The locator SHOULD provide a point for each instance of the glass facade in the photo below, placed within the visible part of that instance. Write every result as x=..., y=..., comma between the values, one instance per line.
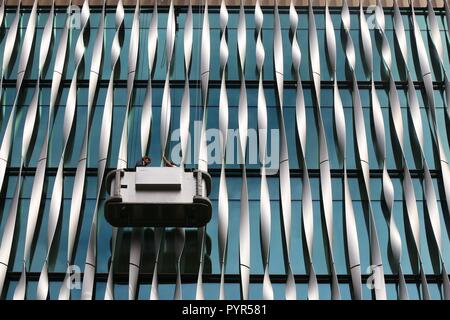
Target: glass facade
x=399, y=229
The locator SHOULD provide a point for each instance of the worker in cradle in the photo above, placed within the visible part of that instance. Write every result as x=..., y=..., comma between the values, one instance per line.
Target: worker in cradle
x=143, y=162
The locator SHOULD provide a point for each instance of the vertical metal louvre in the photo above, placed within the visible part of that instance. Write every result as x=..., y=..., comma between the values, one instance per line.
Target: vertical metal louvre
x=306, y=230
